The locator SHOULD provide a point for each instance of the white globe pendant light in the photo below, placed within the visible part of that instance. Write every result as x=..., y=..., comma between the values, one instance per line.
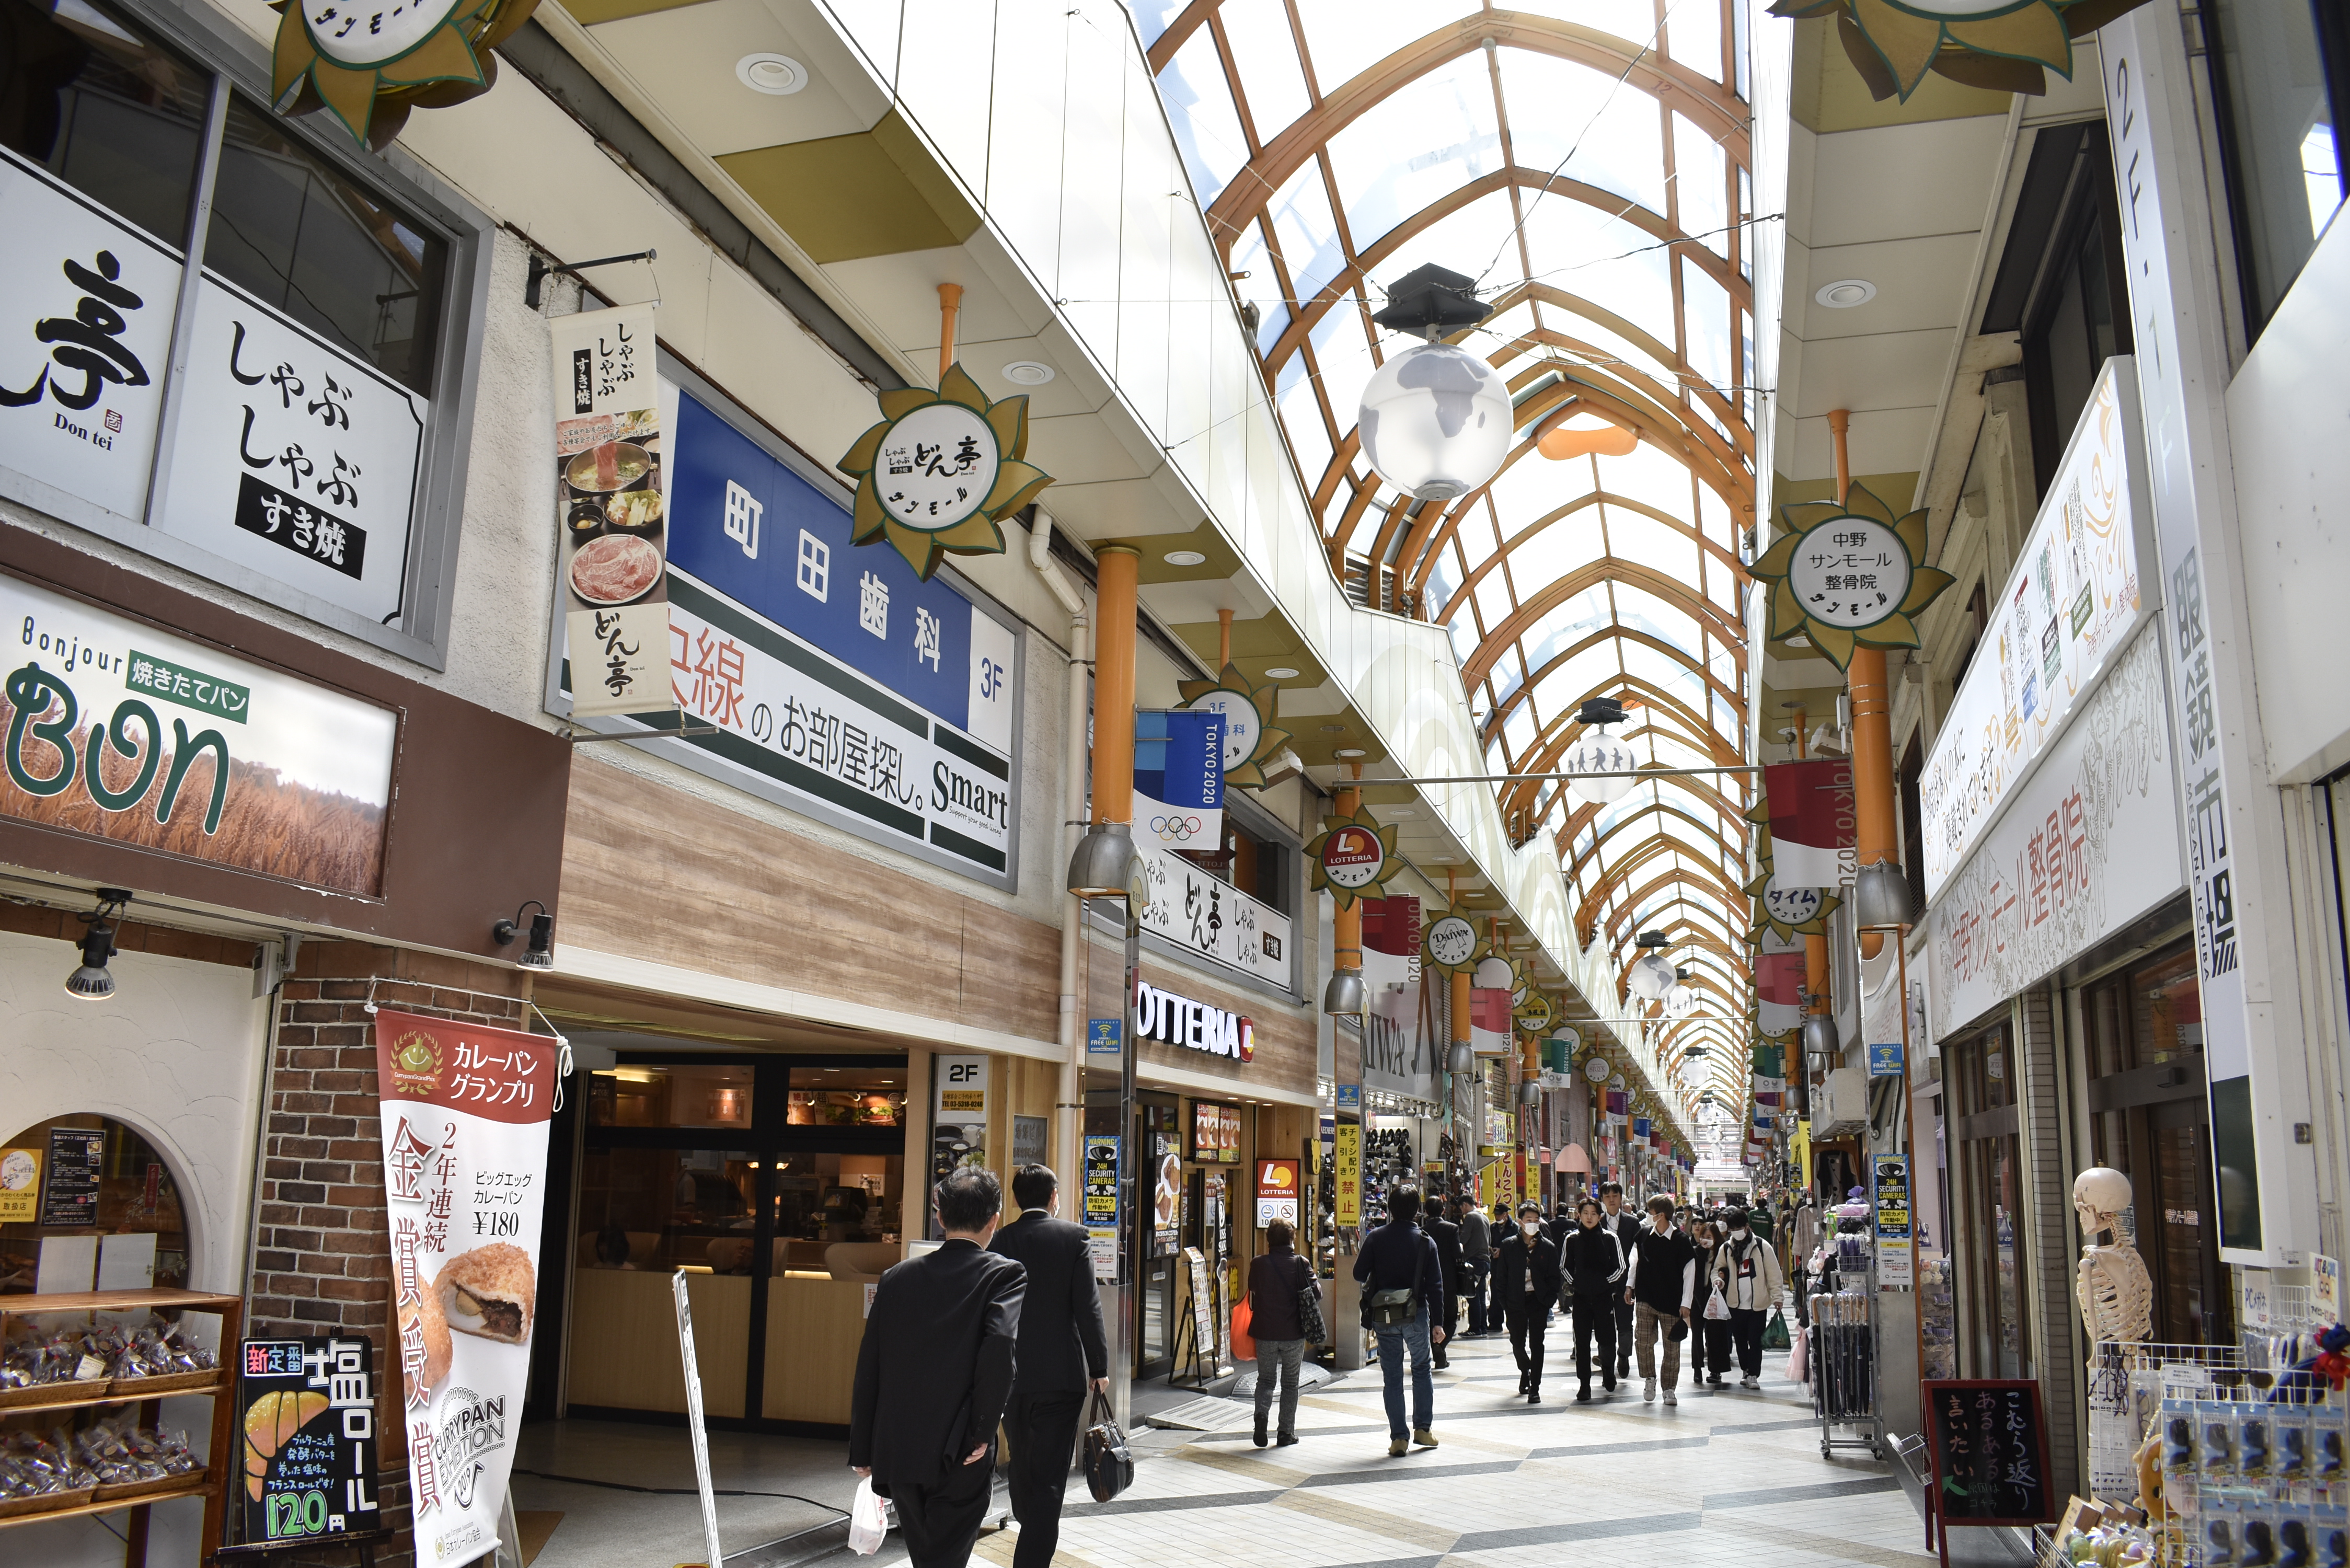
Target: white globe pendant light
x=1599, y=753
x=1680, y=999
x=1435, y=420
x=1651, y=976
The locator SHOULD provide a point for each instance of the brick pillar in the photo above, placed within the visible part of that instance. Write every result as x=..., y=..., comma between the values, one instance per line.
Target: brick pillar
x=322, y=1264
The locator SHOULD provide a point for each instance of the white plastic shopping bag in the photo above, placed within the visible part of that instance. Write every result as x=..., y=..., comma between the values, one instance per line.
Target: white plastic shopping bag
x=1716, y=1309
x=868, y=1524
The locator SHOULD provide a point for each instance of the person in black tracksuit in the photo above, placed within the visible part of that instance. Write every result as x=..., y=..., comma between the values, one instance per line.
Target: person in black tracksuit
x=1593, y=1267
x=1626, y=1225
x=1526, y=1273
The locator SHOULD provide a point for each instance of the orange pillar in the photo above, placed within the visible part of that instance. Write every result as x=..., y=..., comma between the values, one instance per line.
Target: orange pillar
x=1117, y=569
x=1876, y=836
x=1347, y=923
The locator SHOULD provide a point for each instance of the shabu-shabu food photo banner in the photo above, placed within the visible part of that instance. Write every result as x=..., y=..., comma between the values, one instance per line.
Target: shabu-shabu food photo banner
x=611, y=509
x=464, y=1110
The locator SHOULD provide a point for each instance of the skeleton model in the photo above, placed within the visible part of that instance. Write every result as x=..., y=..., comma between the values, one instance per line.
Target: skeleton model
x=2115, y=1296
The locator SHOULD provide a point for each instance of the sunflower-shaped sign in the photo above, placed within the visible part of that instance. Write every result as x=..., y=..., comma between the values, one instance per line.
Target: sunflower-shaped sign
x=1450, y=943
x=1849, y=575
x=2001, y=46
x=1789, y=912
x=1534, y=1012
x=369, y=62
x=1353, y=857
x=941, y=471
x=1250, y=735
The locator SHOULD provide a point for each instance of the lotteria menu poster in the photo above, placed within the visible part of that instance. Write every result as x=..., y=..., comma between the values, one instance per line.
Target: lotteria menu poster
x=465, y=1109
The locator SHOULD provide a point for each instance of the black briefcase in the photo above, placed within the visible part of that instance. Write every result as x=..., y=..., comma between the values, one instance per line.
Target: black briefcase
x=1109, y=1464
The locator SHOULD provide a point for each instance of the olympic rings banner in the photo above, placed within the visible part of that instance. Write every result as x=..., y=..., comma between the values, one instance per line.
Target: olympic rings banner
x=1179, y=779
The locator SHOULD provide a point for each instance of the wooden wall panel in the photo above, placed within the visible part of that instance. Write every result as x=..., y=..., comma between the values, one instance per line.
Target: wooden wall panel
x=664, y=875
x=814, y=1327
x=624, y=1340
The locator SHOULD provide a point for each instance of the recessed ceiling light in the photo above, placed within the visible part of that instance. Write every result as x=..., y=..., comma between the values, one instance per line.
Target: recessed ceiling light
x=777, y=75
x=1402, y=811
x=1028, y=372
x=1184, y=558
x=1280, y=672
x=1348, y=752
x=1845, y=292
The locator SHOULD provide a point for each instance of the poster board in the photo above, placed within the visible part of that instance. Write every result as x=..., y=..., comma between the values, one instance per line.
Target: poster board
x=1988, y=1443
x=1203, y=1315
x=306, y=1408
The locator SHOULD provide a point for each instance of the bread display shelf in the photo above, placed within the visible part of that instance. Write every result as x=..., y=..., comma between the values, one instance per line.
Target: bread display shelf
x=219, y=1384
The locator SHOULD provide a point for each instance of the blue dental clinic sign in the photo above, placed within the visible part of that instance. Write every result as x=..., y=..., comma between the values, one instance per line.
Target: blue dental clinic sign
x=839, y=684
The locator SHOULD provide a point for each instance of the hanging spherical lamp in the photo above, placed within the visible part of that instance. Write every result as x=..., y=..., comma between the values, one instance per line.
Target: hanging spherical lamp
x=1651, y=977
x=1436, y=419
x=1599, y=753
x=1679, y=999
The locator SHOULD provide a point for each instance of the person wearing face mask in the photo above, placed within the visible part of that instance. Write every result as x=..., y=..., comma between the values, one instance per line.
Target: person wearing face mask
x=1746, y=1272
x=1525, y=1274
x=1661, y=1285
x=1709, y=1337
x=1626, y=1225
x=1593, y=1265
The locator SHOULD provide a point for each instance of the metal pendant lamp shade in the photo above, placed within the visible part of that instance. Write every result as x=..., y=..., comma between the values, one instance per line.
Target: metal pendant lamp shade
x=1530, y=1091
x=1881, y=895
x=1344, y=993
x=1820, y=1037
x=1099, y=867
x=1460, y=1058
x=93, y=982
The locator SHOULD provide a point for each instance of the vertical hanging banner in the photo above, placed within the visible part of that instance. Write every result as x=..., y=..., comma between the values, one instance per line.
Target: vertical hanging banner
x=1179, y=779
x=611, y=511
x=1812, y=823
x=1396, y=1056
x=464, y=1110
x=1347, y=1166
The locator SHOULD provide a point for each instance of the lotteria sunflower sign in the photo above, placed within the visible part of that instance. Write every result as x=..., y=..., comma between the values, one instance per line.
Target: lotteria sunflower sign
x=369, y=62
x=1352, y=858
x=941, y=471
x=1849, y=575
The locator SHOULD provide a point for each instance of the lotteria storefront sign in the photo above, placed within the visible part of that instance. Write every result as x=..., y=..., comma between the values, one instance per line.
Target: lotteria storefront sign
x=1173, y=1020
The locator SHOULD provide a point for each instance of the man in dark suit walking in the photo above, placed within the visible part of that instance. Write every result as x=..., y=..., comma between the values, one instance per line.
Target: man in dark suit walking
x=934, y=1372
x=1446, y=1234
x=1063, y=1352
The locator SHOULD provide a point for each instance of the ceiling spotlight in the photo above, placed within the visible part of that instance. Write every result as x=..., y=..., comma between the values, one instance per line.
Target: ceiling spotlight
x=1280, y=672
x=1349, y=752
x=777, y=75
x=1027, y=373
x=1184, y=558
x=1845, y=292
x=540, y=952
x=1402, y=811
x=93, y=982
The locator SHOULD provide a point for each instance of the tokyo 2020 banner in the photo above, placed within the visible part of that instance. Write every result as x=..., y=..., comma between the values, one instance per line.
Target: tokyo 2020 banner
x=465, y=1109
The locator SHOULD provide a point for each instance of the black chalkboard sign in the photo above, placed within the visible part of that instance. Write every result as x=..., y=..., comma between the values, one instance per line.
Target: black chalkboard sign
x=1990, y=1450
x=309, y=1440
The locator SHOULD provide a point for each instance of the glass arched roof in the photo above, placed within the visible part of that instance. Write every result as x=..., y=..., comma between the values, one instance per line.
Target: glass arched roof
x=1585, y=161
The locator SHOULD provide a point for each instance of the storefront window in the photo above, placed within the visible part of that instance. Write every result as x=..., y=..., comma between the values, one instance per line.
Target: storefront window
x=2279, y=79
x=103, y=110
x=1992, y=1251
x=688, y=1096
x=849, y=1097
x=102, y=1211
x=2149, y=1119
x=296, y=234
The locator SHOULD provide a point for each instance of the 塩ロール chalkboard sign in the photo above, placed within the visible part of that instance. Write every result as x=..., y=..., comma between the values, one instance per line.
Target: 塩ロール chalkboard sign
x=1989, y=1454
x=309, y=1438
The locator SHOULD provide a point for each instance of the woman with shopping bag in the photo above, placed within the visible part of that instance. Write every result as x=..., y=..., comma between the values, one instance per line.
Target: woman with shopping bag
x=1280, y=1285
x=1709, y=1328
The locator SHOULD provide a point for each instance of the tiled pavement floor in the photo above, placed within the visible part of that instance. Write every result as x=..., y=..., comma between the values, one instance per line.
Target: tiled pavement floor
x=1728, y=1479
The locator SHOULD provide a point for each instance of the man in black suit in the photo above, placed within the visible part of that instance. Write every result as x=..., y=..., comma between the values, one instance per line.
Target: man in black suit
x=1446, y=1234
x=1063, y=1352
x=934, y=1372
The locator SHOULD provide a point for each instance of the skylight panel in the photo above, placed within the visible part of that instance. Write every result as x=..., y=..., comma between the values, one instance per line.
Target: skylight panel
x=1417, y=145
x=1199, y=107
x=1267, y=55
x=1568, y=119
